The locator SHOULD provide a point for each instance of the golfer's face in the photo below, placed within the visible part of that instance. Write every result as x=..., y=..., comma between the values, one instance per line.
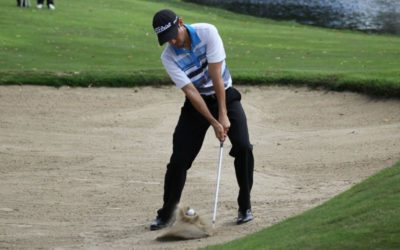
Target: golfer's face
x=179, y=40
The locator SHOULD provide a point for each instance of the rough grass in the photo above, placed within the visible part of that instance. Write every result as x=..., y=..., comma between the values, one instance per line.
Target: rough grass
x=365, y=217
x=100, y=43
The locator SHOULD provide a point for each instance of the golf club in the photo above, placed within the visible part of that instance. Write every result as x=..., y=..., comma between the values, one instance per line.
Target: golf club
x=221, y=149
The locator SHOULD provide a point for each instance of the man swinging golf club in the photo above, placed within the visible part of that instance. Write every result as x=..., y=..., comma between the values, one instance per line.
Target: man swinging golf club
x=195, y=61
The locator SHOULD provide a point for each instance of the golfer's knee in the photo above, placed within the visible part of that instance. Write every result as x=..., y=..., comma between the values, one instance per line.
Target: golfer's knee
x=179, y=163
x=241, y=149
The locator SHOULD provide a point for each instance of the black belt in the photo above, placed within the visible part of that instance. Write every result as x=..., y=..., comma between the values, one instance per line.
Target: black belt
x=209, y=97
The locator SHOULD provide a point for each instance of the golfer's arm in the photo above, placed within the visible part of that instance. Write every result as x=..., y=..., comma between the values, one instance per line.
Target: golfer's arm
x=198, y=103
x=214, y=69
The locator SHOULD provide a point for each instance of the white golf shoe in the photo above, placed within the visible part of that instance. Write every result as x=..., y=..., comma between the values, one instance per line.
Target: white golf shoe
x=52, y=7
x=244, y=216
x=39, y=6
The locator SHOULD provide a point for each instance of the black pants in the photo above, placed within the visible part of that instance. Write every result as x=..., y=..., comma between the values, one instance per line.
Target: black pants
x=48, y=2
x=187, y=140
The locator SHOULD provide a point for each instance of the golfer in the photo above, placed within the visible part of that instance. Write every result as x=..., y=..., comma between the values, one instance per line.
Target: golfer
x=195, y=61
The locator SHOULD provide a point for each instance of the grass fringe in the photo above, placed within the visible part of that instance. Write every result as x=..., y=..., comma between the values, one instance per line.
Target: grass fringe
x=372, y=87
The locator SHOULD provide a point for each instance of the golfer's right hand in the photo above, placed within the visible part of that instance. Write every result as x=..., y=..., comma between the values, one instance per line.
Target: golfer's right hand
x=219, y=131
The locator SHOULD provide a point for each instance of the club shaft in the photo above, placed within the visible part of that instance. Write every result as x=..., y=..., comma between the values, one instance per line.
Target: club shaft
x=221, y=150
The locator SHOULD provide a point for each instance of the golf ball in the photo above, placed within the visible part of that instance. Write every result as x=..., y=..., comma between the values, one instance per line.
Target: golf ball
x=190, y=212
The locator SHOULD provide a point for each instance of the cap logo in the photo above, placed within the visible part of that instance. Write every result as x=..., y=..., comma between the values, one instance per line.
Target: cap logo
x=163, y=28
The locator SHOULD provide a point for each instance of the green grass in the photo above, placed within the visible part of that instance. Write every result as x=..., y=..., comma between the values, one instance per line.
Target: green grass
x=103, y=43
x=365, y=217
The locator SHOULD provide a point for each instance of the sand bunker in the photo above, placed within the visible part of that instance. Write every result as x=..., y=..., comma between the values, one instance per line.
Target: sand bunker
x=84, y=168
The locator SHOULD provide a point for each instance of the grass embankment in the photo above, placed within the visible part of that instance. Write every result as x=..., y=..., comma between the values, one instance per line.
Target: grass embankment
x=104, y=43
x=365, y=217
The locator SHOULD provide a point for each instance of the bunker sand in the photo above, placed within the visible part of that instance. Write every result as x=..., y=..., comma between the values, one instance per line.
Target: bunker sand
x=84, y=168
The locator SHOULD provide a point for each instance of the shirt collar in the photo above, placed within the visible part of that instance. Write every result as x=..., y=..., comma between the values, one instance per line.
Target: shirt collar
x=194, y=38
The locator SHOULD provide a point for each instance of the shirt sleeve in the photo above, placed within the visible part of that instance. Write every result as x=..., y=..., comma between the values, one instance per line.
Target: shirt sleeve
x=215, y=46
x=175, y=73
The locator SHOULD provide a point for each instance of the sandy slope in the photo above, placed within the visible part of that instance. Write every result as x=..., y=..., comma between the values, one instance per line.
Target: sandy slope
x=83, y=168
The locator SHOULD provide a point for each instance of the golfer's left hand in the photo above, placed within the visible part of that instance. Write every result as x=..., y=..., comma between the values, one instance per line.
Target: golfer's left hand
x=226, y=124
